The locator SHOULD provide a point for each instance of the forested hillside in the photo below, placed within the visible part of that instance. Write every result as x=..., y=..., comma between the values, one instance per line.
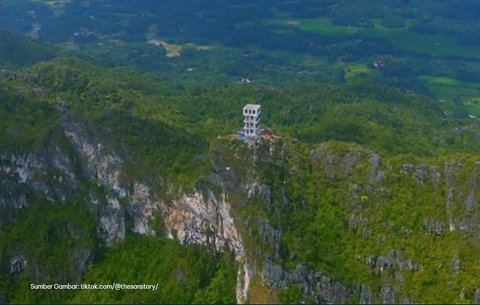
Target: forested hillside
x=120, y=160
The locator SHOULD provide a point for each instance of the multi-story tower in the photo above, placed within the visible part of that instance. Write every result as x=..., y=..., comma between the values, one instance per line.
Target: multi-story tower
x=251, y=119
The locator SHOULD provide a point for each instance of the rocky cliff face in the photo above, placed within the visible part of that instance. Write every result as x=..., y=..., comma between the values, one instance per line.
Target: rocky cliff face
x=205, y=215
x=454, y=182
x=198, y=217
x=367, y=184
x=49, y=172
x=201, y=218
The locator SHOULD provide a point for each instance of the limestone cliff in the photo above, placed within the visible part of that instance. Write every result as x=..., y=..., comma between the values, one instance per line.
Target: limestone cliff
x=198, y=216
x=244, y=204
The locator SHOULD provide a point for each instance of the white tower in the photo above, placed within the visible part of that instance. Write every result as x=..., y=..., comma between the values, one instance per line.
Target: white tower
x=251, y=119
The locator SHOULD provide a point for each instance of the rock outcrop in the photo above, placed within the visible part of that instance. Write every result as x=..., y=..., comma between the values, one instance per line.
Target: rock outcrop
x=199, y=217
x=204, y=215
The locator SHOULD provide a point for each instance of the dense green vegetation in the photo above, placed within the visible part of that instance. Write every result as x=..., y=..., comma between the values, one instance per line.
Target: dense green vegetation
x=269, y=41
x=18, y=50
x=341, y=221
x=184, y=274
x=155, y=124
x=55, y=244
x=336, y=80
x=66, y=232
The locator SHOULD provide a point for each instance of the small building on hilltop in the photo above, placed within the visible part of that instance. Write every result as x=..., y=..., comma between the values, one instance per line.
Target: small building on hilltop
x=251, y=120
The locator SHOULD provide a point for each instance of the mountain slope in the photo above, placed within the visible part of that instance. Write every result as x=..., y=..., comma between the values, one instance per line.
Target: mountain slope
x=364, y=194
x=18, y=50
